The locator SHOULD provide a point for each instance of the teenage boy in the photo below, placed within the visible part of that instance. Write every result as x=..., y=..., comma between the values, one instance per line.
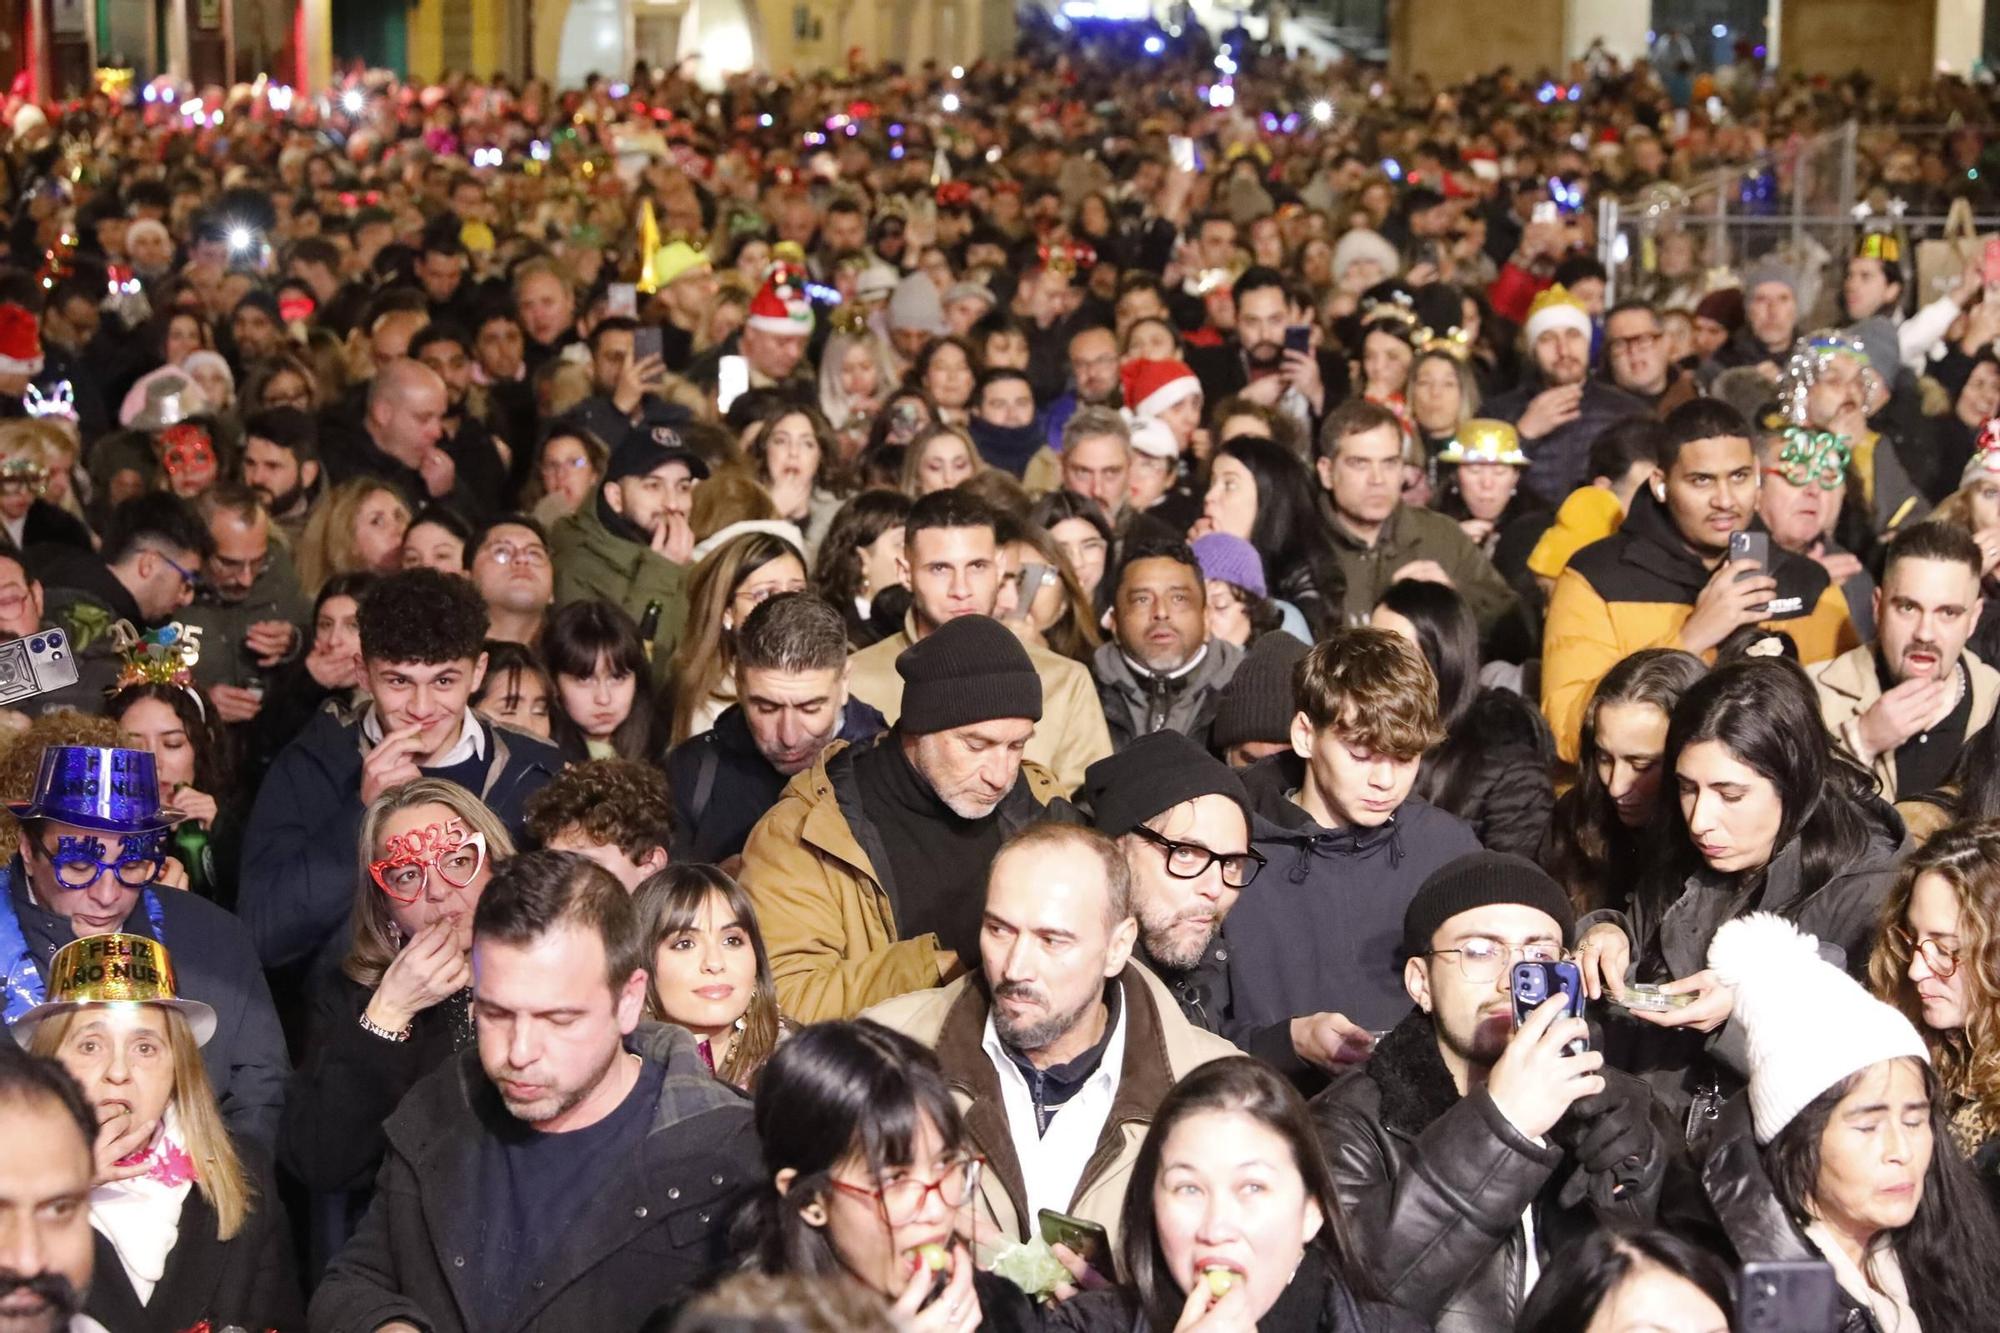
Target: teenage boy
x=614, y=811
x=421, y=663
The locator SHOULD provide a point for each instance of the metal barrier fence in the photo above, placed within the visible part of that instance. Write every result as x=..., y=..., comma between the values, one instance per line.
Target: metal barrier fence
x=1797, y=203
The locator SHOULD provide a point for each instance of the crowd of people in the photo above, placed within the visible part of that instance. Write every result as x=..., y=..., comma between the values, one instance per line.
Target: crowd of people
x=993, y=697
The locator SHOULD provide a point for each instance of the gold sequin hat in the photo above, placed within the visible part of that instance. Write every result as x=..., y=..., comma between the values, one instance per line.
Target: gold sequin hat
x=1484, y=440
x=114, y=969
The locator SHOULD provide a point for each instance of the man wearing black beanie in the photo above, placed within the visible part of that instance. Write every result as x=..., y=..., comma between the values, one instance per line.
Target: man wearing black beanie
x=1465, y=1151
x=869, y=872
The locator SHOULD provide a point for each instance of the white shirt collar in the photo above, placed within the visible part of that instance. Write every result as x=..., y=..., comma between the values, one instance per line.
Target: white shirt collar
x=471, y=742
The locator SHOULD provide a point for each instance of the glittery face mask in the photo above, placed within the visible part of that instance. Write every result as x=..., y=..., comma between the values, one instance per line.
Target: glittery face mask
x=404, y=873
x=1813, y=457
x=79, y=859
x=189, y=455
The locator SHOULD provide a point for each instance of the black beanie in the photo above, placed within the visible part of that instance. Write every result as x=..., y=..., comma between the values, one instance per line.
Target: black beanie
x=969, y=669
x=1155, y=773
x=1258, y=704
x=1482, y=879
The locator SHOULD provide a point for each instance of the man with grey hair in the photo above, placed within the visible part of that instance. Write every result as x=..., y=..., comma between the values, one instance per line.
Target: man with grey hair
x=1097, y=458
x=792, y=702
x=1059, y=1026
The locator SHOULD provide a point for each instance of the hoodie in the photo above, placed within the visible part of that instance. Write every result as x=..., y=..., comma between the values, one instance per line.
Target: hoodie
x=1320, y=929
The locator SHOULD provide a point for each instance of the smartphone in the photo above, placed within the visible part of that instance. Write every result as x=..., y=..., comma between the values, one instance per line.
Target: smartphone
x=1546, y=211
x=1989, y=267
x=1751, y=546
x=1653, y=1000
x=1536, y=983
x=646, y=342
x=622, y=300
x=1787, y=1296
x=35, y=665
x=1184, y=154
x=1086, y=1240
x=732, y=380
x=1298, y=338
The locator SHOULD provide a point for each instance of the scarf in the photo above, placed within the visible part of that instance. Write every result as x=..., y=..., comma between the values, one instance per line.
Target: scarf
x=1880, y=1290
x=141, y=1217
x=1008, y=447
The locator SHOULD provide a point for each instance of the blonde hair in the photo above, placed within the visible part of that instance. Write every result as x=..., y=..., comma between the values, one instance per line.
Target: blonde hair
x=48, y=444
x=373, y=942
x=326, y=547
x=911, y=482
x=730, y=495
x=218, y=1170
x=707, y=653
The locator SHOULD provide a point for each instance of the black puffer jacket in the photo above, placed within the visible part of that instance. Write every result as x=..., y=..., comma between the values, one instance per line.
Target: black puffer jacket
x=1493, y=773
x=1434, y=1185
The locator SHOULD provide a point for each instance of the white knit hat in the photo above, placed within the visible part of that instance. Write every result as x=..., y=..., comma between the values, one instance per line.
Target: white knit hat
x=1154, y=438
x=1806, y=1023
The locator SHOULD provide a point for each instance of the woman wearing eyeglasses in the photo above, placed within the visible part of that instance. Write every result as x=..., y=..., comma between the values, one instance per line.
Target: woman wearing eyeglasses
x=872, y=1175
x=399, y=1004
x=1938, y=961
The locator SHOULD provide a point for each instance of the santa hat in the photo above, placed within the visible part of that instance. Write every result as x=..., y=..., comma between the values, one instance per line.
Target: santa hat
x=1154, y=438
x=780, y=305
x=1806, y=1024
x=1555, y=308
x=20, y=341
x=1151, y=387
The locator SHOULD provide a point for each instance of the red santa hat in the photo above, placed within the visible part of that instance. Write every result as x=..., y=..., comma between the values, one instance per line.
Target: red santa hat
x=781, y=306
x=20, y=341
x=1151, y=387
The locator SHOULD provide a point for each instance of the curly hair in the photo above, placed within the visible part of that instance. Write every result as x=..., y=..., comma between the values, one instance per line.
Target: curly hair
x=620, y=803
x=1967, y=857
x=1374, y=687
x=421, y=615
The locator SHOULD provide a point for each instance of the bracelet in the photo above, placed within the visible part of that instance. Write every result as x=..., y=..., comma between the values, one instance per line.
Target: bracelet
x=374, y=1029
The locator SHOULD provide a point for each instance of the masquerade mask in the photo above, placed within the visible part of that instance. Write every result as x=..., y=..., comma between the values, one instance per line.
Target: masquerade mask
x=23, y=473
x=188, y=452
x=1813, y=457
x=404, y=874
x=79, y=859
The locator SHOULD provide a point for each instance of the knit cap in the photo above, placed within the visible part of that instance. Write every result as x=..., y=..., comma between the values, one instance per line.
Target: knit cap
x=1362, y=243
x=1482, y=879
x=916, y=306
x=1725, y=307
x=1155, y=773
x=1769, y=271
x=1806, y=1024
x=969, y=669
x=1225, y=556
x=1258, y=704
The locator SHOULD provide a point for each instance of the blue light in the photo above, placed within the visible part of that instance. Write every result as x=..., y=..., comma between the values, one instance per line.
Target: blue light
x=1719, y=31
x=1575, y=91
x=1290, y=124
x=896, y=152
x=895, y=131
x=1392, y=168
x=1546, y=94
x=1154, y=45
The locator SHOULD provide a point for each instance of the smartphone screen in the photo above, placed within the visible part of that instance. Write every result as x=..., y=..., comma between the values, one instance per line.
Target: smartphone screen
x=645, y=342
x=1990, y=267
x=622, y=300
x=1298, y=338
x=732, y=381
x=1185, y=158
x=1546, y=211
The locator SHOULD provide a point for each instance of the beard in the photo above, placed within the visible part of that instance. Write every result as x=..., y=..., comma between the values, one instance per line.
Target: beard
x=59, y=1302
x=1177, y=942
x=1041, y=1033
x=557, y=1101
x=281, y=504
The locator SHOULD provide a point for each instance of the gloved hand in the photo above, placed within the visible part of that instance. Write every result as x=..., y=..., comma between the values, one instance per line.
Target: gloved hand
x=1611, y=1141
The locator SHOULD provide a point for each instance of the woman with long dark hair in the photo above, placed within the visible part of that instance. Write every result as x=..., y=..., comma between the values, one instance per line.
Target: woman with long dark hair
x=873, y=1180
x=191, y=757
x=707, y=968
x=1769, y=817
x=1627, y=1281
x=1938, y=961
x=603, y=690
x=1493, y=769
x=1268, y=496
x=1594, y=839
x=1842, y=1150
x=859, y=558
x=1231, y=1221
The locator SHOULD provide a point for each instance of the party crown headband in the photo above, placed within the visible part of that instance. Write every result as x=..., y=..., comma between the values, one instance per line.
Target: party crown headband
x=59, y=402
x=163, y=656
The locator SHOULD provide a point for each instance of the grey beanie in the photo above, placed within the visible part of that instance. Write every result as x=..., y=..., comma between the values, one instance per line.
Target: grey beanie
x=917, y=306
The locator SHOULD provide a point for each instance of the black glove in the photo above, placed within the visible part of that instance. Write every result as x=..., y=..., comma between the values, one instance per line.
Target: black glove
x=1611, y=1140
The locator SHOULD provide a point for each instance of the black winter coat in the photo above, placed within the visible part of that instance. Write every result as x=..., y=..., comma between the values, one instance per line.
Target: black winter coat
x=1316, y=1301
x=1494, y=773
x=659, y=1229
x=248, y=1280
x=1434, y=1185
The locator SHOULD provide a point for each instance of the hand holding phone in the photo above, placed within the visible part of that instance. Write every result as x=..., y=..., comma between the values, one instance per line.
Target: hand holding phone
x=1989, y=268
x=1298, y=338
x=732, y=381
x=1085, y=1239
x=1787, y=1296
x=1535, y=1079
x=1534, y=983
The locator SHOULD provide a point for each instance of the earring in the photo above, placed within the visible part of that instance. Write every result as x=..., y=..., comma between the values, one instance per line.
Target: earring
x=814, y=1215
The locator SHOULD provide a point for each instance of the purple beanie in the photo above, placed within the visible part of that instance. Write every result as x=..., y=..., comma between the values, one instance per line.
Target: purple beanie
x=1231, y=559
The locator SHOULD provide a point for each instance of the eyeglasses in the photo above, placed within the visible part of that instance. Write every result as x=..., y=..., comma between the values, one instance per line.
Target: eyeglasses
x=1633, y=343
x=79, y=861
x=1829, y=479
x=901, y=1200
x=1190, y=860
x=188, y=576
x=1480, y=960
x=529, y=556
x=249, y=569
x=1940, y=959
x=405, y=874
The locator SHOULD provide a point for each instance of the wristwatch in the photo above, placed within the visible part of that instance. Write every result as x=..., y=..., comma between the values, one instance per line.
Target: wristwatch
x=374, y=1029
